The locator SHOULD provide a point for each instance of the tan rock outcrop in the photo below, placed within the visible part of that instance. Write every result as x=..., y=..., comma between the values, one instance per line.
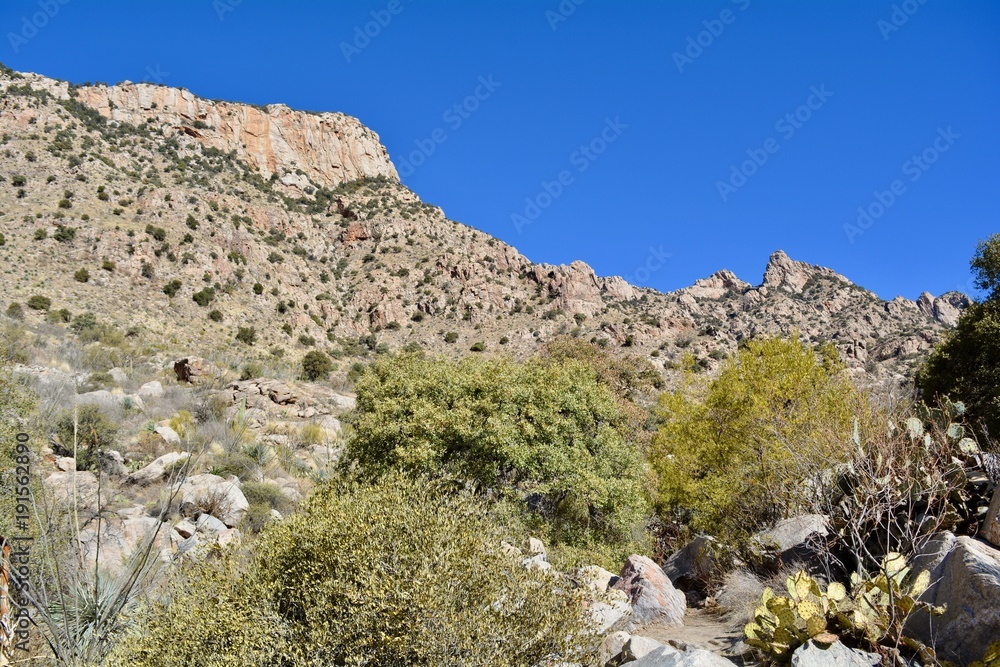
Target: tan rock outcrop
x=330, y=148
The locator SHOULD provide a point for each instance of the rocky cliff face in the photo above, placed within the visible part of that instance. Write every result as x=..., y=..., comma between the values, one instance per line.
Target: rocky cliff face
x=303, y=149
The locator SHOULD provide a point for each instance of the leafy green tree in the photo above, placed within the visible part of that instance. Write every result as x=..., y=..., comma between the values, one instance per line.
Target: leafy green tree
x=731, y=453
x=965, y=365
x=548, y=431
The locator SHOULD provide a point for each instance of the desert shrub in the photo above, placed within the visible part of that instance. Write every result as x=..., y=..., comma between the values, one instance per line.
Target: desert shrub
x=64, y=234
x=545, y=430
x=172, y=287
x=81, y=276
x=319, y=589
x=258, y=288
x=965, y=365
x=263, y=498
x=316, y=365
x=60, y=316
x=92, y=430
x=158, y=233
x=246, y=335
x=451, y=337
x=731, y=453
x=41, y=234
x=251, y=370
x=204, y=297
x=311, y=434
x=478, y=346
x=215, y=315
x=908, y=476
x=15, y=311
x=39, y=302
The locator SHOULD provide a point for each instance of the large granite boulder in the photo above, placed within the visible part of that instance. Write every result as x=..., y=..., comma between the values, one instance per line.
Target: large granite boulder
x=653, y=597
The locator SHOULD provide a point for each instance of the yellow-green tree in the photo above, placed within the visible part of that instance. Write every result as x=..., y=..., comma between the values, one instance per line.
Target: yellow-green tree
x=548, y=431
x=731, y=454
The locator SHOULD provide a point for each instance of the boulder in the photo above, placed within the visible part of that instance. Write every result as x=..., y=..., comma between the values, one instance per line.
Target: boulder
x=185, y=528
x=667, y=656
x=965, y=578
x=814, y=654
x=611, y=647
x=991, y=525
x=111, y=542
x=209, y=524
x=169, y=435
x=609, y=611
x=61, y=484
x=595, y=578
x=150, y=391
x=799, y=541
x=211, y=494
x=66, y=463
x=639, y=647
x=118, y=375
x=653, y=597
x=537, y=548
x=195, y=370
x=692, y=567
x=157, y=470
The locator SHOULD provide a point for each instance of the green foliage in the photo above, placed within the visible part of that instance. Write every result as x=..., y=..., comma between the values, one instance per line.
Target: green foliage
x=81, y=276
x=547, y=429
x=316, y=365
x=64, y=234
x=404, y=572
x=15, y=311
x=730, y=453
x=451, y=337
x=92, y=431
x=258, y=288
x=872, y=614
x=965, y=365
x=215, y=315
x=479, y=346
x=158, y=233
x=39, y=302
x=246, y=335
x=172, y=288
x=204, y=297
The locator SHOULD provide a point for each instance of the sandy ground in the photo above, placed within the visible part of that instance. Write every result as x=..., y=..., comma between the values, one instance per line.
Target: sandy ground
x=701, y=629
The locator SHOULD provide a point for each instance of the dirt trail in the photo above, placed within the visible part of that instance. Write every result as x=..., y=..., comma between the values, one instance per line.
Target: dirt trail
x=701, y=629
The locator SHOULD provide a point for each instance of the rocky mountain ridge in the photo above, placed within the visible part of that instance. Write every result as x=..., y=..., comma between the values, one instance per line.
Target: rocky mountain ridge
x=204, y=219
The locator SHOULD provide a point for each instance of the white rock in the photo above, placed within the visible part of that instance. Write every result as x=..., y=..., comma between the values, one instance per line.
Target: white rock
x=211, y=493
x=157, y=470
x=66, y=463
x=169, y=435
x=150, y=391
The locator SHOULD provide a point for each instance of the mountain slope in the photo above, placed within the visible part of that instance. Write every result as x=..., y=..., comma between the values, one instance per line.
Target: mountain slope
x=295, y=225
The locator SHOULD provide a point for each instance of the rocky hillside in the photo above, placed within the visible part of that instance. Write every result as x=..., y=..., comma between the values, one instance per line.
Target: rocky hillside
x=190, y=220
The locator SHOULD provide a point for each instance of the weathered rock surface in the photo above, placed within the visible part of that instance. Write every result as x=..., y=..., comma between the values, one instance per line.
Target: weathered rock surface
x=692, y=566
x=653, y=597
x=157, y=470
x=813, y=654
x=196, y=370
x=965, y=576
x=210, y=493
x=328, y=148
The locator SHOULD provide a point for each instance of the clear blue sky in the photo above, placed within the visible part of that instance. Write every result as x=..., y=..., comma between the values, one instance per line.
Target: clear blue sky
x=881, y=94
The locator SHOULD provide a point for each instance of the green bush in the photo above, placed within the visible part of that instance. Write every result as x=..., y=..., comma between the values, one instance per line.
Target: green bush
x=41, y=234
x=215, y=315
x=172, y=288
x=965, y=366
x=404, y=572
x=258, y=288
x=548, y=430
x=479, y=346
x=15, y=311
x=246, y=335
x=81, y=275
x=316, y=365
x=64, y=234
x=730, y=455
x=39, y=302
x=204, y=297
x=94, y=432
x=158, y=233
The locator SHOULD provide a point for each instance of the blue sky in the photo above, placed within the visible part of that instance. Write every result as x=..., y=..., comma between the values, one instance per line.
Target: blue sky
x=657, y=140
